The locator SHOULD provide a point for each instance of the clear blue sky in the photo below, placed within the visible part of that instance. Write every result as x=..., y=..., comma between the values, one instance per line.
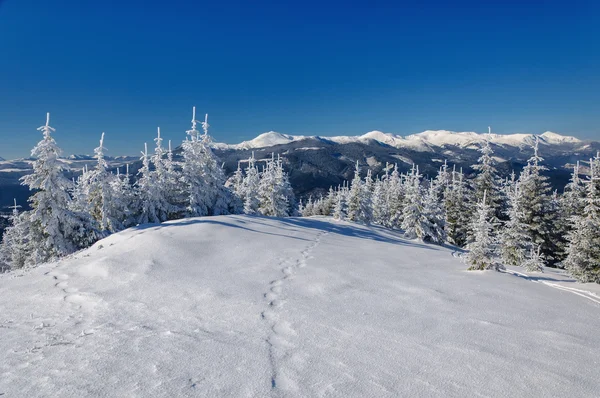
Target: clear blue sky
x=303, y=67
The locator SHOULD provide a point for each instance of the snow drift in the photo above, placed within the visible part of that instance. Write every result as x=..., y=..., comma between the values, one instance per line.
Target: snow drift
x=250, y=306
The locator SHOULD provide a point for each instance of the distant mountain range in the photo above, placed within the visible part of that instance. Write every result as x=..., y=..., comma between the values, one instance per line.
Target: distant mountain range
x=315, y=163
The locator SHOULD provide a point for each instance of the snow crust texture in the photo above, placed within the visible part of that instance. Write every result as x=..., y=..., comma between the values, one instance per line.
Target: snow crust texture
x=243, y=306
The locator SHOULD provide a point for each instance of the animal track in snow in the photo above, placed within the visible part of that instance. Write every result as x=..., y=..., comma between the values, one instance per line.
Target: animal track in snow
x=282, y=333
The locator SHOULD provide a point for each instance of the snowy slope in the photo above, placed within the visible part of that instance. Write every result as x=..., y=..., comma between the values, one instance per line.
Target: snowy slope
x=245, y=306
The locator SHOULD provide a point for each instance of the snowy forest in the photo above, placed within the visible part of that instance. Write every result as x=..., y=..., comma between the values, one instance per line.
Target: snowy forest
x=499, y=220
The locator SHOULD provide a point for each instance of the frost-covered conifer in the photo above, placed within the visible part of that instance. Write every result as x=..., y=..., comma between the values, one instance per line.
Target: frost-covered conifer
x=457, y=203
x=535, y=261
x=339, y=211
x=381, y=214
x=15, y=243
x=250, y=187
x=433, y=216
x=487, y=180
x=481, y=248
x=536, y=205
x=515, y=242
x=276, y=198
x=412, y=215
x=395, y=199
x=583, y=248
x=54, y=228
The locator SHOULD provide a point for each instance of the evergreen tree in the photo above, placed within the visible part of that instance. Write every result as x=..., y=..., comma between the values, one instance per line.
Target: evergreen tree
x=54, y=229
x=515, y=242
x=235, y=183
x=97, y=188
x=395, y=199
x=481, y=248
x=412, y=215
x=339, y=211
x=250, y=187
x=433, y=216
x=535, y=261
x=488, y=181
x=536, y=205
x=583, y=248
x=276, y=198
x=457, y=204
x=15, y=243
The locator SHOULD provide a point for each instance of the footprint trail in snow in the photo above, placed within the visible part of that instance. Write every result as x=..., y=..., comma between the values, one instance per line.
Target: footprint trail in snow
x=281, y=333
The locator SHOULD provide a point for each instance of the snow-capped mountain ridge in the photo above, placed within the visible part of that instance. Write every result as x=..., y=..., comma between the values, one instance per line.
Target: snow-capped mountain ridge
x=419, y=141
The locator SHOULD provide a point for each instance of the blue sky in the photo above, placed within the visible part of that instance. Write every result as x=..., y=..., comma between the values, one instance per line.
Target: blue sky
x=305, y=67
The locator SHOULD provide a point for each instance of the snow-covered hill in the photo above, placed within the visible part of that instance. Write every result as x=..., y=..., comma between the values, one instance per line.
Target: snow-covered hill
x=252, y=307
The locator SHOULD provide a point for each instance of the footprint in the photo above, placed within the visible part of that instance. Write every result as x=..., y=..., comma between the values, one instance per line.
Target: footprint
x=276, y=289
x=284, y=328
x=61, y=285
x=276, y=303
x=71, y=290
x=60, y=277
x=287, y=271
x=276, y=282
x=270, y=296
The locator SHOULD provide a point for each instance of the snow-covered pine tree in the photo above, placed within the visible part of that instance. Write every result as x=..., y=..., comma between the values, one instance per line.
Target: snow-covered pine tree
x=198, y=201
x=54, y=229
x=358, y=200
x=328, y=203
x=434, y=216
x=98, y=190
x=515, y=242
x=276, y=198
x=535, y=261
x=219, y=196
x=412, y=215
x=583, y=248
x=235, y=183
x=309, y=208
x=381, y=214
x=487, y=180
x=457, y=203
x=164, y=192
x=367, y=199
x=395, y=199
x=15, y=242
x=147, y=193
x=250, y=187
x=481, y=247
x=339, y=210
x=536, y=204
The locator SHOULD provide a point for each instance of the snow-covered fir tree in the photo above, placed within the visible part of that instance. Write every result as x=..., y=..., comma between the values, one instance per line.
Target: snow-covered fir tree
x=488, y=181
x=433, y=216
x=536, y=205
x=54, y=228
x=481, y=247
x=97, y=188
x=413, y=222
x=515, y=242
x=395, y=199
x=358, y=201
x=583, y=248
x=15, y=241
x=535, y=262
x=339, y=210
x=250, y=187
x=276, y=198
x=381, y=213
x=235, y=183
x=457, y=203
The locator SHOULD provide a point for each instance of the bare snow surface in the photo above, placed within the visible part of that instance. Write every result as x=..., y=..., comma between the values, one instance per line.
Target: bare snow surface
x=242, y=306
